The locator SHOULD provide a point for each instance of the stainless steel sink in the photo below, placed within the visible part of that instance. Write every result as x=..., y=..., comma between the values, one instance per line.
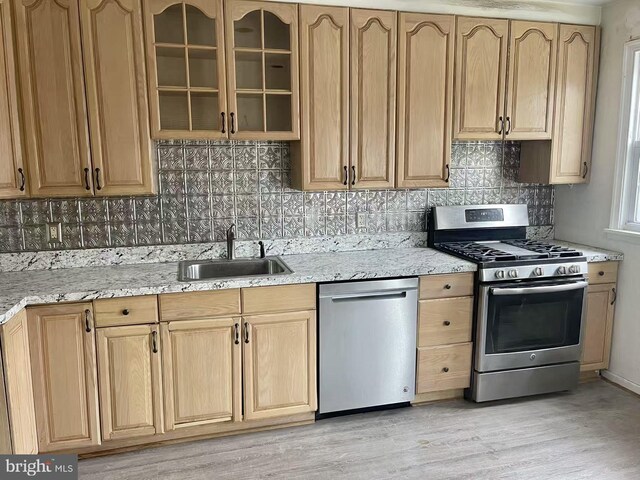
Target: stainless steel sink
x=194, y=270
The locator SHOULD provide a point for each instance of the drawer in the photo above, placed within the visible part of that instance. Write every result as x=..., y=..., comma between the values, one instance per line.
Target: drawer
x=195, y=305
x=287, y=298
x=444, y=321
x=443, y=368
x=126, y=311
x=603, y=272
x=443, y=286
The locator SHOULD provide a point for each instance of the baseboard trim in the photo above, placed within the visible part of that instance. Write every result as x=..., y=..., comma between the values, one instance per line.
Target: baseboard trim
x=621, y=381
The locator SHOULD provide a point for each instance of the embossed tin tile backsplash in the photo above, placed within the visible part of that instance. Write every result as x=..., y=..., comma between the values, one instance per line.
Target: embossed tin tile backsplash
x=206, y=186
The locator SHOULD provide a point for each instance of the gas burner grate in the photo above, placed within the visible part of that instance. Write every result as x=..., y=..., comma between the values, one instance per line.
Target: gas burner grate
x=554, y=251
x=475, y=251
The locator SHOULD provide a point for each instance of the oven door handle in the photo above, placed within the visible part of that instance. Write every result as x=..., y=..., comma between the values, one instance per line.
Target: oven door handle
x=565, y=287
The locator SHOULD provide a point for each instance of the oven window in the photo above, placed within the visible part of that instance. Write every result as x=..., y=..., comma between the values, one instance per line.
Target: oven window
x=533, y=321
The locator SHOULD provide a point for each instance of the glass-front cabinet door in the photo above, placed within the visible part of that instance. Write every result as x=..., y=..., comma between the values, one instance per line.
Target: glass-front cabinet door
x=185, y=52
x=262, y=56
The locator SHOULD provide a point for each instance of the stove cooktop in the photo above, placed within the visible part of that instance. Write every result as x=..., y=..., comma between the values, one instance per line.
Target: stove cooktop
x=508, y=250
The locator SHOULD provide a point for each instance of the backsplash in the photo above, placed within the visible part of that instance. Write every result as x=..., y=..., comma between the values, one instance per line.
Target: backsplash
x=206, y=186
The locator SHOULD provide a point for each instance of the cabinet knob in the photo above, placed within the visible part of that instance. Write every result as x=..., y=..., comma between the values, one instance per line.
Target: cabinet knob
x=445, y=369
x=125, y=311
x=446, y=323
x=447, y=287
x=601, y=273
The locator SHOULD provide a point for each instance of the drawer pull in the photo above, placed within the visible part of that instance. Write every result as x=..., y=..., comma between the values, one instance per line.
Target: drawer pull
x=447, y=287
x=446, y=323
x=445, y=369
x=125, y=312
x=601, y=273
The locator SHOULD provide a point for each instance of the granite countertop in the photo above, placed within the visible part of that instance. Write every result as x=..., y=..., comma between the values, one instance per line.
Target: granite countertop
x=19, y=289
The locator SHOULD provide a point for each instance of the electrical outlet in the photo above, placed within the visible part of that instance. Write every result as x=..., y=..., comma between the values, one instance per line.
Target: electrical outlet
x=54, y=232
x=361, y=220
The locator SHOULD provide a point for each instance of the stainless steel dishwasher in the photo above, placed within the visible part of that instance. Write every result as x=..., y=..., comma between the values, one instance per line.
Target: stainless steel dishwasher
x=367, y=344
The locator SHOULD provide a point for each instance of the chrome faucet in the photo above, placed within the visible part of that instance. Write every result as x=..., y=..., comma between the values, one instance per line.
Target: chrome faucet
x=231, y=239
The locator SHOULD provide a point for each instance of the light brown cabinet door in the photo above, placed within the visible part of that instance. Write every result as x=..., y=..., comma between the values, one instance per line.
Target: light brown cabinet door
x=202, y=372
x=130, y=381
x=186, y=69
x=481, y=71
x=113, y=47
x=53, y=98
x=532, y=68
x=262, y=56
x=63, y=365
x=321, y=159
x=425, y=58
x=373, y=98
x=574, y=104
x=279, y=364
x=13, y=182
x=598, y=327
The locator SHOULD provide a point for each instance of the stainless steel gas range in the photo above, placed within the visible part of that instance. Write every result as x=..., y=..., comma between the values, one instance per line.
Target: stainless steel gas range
x=530, y=301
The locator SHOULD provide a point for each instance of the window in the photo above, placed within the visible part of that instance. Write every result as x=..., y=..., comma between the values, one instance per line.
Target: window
x=626, y=204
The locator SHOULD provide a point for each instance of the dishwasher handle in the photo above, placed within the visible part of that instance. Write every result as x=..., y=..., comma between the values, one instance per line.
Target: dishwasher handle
x=380, y=295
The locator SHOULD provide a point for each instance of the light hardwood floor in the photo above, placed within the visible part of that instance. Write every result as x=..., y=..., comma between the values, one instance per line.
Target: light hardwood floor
x=593, y=432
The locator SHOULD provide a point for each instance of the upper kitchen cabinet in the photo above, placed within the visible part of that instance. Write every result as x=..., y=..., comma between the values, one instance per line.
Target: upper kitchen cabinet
x=185, y=55
x=113, y=48
x=425, y=56
x=373, y=98
x=321, y=158
x=13, y=181
x=262, y=61
x=481, y=67
x=567, y=157
x=532, y=66
x=53, y=97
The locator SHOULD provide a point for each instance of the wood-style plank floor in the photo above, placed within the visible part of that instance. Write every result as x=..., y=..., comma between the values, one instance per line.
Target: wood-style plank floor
x=593, y=432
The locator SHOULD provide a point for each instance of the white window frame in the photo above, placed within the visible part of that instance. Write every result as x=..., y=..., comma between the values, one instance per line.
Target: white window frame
x=626, y=193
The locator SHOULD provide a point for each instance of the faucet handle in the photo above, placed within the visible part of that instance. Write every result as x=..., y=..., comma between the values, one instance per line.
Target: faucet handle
x=262, y=252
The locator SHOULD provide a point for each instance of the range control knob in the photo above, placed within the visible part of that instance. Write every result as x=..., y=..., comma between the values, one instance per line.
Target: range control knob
x=574, y=269
x=538, y=271
x=513, y=273
x=562, y=270
x=499, y=274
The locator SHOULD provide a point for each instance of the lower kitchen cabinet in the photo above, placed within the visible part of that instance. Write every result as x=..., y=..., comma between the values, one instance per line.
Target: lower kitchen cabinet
x=63, y=366
x=598, y=326
x=130, y=381
x=202, y=372
x=445, y=367
x=279, y=364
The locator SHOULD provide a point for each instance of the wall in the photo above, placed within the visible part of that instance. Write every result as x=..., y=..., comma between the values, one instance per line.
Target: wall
x=583, y=212
x=204, y=187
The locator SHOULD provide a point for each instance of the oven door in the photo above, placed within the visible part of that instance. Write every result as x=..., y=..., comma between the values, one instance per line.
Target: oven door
x=529, y=325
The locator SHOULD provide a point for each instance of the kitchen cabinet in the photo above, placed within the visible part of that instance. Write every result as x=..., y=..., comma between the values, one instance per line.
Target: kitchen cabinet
x=425, y=57
x=373, y=40
x=63, y=367
x=481, y=70
x=130, y=381
x=13, y=180
x=262, y=69
x=279, y=364
x=567, y=157
x=56, y=133
x=321, y=158
x=114, y=67
x=207, y=354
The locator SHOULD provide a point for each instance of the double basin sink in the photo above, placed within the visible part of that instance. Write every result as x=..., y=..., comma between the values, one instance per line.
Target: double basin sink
x=195, y=270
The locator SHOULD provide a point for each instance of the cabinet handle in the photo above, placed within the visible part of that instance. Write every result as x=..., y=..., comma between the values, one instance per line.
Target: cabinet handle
x=346, y=175
x=87, y=318
x=445, y=369
x=23, y=180
x=154, y=341
x=615, y=295
x=98, y=186
x=86, y=179
x=446, y=323
x=447, y=287
x=506, y=132
x=448, y=173
x=233, y=122
x=224, y=127
x=236, y=334
x=500, y=125
x=353, y=178
x=586, y=170
x=601, y=273
x=125, y=312
x=246, y=332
